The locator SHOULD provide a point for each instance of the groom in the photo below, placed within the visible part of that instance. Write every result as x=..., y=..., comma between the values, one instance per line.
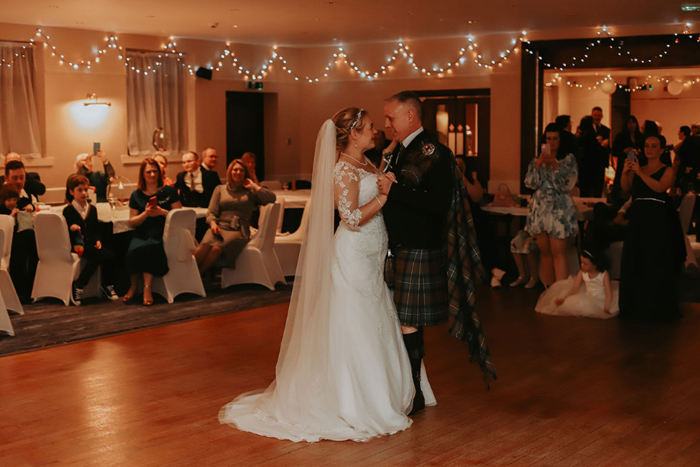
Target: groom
x=431, y=235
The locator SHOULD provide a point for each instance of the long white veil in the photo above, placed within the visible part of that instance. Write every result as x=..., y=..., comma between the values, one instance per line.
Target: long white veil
x=300, y=395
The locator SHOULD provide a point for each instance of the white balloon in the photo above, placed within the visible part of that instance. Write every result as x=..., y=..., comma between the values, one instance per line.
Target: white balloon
x=674, y=88
x=608, y=87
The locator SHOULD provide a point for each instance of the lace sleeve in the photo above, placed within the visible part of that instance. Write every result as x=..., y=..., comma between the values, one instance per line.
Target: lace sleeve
x=347, y=190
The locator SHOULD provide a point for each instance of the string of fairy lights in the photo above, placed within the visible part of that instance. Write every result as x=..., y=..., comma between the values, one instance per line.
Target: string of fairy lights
x=648, y=84
x=470, y=53
x=606, y=38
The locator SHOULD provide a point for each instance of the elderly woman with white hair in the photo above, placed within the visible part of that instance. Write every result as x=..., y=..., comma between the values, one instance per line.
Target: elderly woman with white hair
x=99, y=180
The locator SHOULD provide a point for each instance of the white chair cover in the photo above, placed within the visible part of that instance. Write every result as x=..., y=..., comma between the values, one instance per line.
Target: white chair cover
x=258, y=263
x=288, y=247
x=179, y=243
x=5, y=323
x=58, y=267
x=271, y=184
x=7, y=288
x=686, y=214
x=280, y=221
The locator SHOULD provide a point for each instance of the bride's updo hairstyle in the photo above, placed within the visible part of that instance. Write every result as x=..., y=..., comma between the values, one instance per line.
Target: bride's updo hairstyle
x=346, y=120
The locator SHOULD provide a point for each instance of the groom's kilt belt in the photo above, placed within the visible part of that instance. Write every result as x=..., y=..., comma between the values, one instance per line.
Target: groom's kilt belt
x=420, y=287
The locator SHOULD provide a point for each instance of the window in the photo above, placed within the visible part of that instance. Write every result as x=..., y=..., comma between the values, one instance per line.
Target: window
x=156, y=112
x=19, y=123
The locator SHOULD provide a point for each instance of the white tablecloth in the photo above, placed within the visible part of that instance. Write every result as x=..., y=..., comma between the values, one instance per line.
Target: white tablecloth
x=296, y=199
x=119, y=217
x=584, y=207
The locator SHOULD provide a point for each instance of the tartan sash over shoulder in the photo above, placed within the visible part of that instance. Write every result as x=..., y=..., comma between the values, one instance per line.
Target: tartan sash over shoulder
x=464, y=262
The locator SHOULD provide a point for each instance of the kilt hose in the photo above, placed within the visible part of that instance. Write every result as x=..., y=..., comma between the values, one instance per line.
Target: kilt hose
x=420, y=287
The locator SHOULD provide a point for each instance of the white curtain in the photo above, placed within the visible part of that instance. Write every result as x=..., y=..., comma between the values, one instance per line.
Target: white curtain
x=155, y=99
x=19, y=123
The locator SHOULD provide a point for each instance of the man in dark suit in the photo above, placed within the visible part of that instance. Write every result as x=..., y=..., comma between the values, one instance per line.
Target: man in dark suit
x=32, y=185
x=209, y=159
x=602, y=135
x=194, y=184
x=429, y=223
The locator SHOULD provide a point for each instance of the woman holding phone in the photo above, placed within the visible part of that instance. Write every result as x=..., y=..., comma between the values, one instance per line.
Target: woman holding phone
x=654, y=249
x=149, y=205
x=552, y=213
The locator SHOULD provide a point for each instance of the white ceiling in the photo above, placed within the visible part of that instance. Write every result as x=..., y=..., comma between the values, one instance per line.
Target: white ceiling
x=324, y=22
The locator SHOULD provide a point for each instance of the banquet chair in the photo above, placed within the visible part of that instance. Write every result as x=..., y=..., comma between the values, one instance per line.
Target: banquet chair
x=280, y=220
x=5, y=323
x=288, y=247
x=258, y=263
x=271, y=184
x=179, y=243
x=58, y=266
x=7, y=288
x=685, y=212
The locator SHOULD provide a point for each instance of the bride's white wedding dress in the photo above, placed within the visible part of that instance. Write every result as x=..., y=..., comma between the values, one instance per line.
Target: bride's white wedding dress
x=343, y=372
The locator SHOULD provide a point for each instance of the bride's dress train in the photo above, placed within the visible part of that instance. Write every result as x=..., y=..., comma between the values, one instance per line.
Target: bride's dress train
x=343, y=372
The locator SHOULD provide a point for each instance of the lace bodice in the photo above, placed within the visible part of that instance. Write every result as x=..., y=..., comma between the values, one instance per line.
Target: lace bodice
x=354, y=187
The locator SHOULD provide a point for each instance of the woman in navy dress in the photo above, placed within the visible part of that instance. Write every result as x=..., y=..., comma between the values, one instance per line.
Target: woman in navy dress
x=654, y=249
x=149, y=205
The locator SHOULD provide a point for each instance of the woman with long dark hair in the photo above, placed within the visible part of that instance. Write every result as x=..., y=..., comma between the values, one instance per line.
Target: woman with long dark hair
x=654, y=250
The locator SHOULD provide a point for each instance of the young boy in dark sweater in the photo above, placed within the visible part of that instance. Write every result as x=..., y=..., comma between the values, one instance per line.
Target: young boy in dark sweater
x=81, y=218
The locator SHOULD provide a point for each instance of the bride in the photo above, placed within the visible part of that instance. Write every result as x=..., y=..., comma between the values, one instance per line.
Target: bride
x=343, y=372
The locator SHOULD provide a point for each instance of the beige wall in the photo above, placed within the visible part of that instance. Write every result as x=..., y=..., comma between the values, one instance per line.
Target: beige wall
x=294, y=110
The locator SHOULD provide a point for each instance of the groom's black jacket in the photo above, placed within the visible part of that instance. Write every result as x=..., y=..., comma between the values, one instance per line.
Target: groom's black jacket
x=416, y=210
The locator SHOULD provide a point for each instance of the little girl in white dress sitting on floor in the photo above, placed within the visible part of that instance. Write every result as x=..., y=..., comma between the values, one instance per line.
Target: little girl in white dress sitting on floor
x=591, y=294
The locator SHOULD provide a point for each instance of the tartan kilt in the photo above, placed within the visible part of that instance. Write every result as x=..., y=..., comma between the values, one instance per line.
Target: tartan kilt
x=420, y=287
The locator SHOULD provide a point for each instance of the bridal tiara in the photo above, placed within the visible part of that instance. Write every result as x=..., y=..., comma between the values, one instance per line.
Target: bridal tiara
x=357, y=119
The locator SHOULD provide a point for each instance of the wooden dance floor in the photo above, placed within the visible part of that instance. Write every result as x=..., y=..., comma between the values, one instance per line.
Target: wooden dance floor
x=570, y=392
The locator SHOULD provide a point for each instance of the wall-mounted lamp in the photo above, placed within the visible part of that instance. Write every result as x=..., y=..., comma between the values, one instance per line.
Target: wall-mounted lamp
x=92, y=96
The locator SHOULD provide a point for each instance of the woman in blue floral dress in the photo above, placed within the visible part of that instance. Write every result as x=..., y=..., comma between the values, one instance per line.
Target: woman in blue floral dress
x=552, y=216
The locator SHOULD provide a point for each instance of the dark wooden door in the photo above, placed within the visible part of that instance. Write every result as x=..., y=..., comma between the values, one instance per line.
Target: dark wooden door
x=245, y=127
x=468, y=120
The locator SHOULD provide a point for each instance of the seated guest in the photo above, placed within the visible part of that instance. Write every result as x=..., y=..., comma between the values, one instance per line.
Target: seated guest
x=9, y=196
x=33, y=184
x=524, y=249
x=607, y=226
x=194, y=184
x=229, y=217
x=24, y=258
x=163, y=164
x=209, y=159
x=149, y=205
x=99, y=180
x=249, y=159
x=81, y=218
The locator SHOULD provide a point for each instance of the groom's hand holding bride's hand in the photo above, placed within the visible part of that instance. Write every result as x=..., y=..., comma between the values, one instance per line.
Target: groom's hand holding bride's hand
x=384, y=182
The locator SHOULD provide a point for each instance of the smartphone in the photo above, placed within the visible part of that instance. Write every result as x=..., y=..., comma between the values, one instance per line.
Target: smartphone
x=153, y=201
x=545, y=148
x=631, y=155
x=95, y=147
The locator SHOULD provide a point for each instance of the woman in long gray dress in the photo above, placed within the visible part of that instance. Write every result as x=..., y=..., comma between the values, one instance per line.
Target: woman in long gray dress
x=230, y=209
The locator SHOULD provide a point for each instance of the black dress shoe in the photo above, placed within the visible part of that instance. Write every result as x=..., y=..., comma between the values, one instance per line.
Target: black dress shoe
x=418, y=403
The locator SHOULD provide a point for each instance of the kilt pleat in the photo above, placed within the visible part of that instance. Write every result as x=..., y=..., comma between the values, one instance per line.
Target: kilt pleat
x=420, y=288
